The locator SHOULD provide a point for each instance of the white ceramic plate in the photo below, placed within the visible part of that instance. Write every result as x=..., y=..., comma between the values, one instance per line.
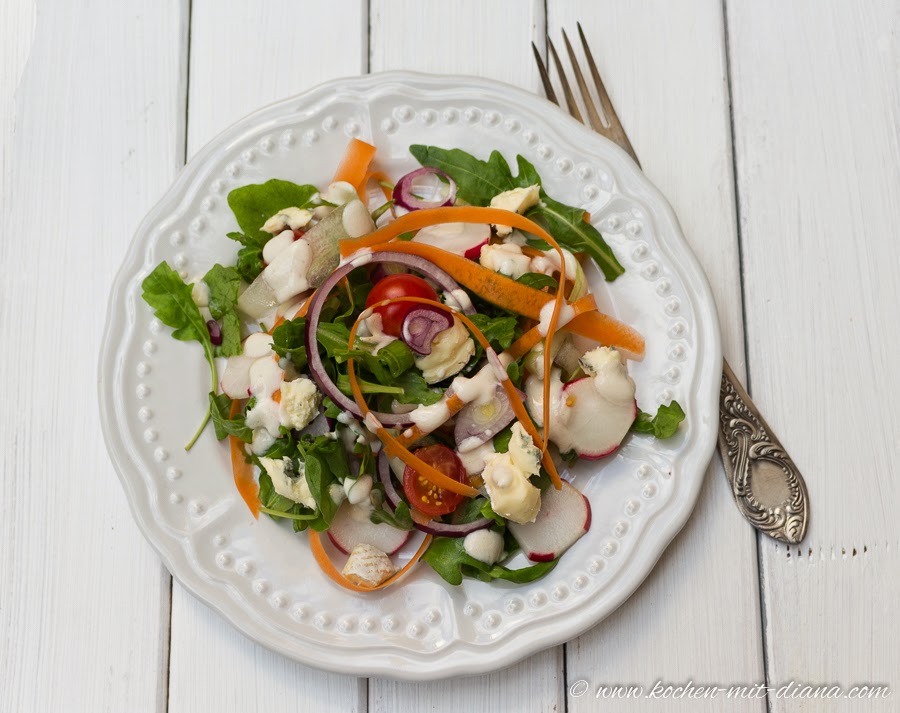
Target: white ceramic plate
x=260, y=575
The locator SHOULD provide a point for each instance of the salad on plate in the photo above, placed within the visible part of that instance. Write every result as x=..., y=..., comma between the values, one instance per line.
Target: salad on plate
x=400, y=368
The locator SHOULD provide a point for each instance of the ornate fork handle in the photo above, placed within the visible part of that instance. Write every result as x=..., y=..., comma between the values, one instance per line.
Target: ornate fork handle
x=765, y=481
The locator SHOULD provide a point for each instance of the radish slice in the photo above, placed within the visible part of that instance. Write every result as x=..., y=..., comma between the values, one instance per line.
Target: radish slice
x=404, y=194
x=464, y=239
x=348, y=530
x=236, y=379
x=258, y=344
x=596, y=426
x=565, y=515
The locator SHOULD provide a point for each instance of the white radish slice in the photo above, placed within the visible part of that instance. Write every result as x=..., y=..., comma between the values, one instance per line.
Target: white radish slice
x=265, y=377
x=258, y=344
x=565, y=515
x=463, y=239
x=257, y=299
x=595, y=426
x=348, y=531
x=235, y=381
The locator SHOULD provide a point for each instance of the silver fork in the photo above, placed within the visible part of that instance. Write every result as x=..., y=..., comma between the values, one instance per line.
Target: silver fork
x=766, y=483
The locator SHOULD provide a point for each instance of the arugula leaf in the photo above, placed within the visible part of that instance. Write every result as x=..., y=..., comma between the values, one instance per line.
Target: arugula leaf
x=249, y=258
x=170, y=298
x=219, y=408
x=664, y=424
x=391, y=361
x=488, y=512
x=268, y=498
x=223, y=284
x=367, y=387
x=568, y=226
x=502, y=439
x=400, y=518
x=499, y=331
x=478, y=181
x=447, y=556
x=254, y=204
x=289, y=340
x=416, y=390
x=538, y=280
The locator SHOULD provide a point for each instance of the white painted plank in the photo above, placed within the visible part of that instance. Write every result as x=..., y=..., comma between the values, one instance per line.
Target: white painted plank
x=485, y=38
x=244, y=55
x=816, y=106
x=488, y=39
x=92, y=140
x=697, y=616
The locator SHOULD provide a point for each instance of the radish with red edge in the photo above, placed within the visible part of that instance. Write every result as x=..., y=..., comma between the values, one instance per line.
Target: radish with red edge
x=349, y=529
x=596, y=425
x=565, y=515
x=235, y=381
x=464, y=239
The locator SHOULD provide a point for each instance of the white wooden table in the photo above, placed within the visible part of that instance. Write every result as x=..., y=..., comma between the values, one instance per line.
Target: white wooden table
x=774, y=130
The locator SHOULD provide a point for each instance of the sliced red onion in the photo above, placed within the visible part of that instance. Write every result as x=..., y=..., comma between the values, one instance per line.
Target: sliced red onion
x=385, y=269
x=476, y=425
x=439, y=529
x=215, y=332
x=422, y=325
x=403, y=191
x=317, y=368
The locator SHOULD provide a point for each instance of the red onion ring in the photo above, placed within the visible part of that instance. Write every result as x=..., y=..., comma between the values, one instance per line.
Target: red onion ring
x=422, y=325
x=403, y=195
x=215, y=332
x=439, y=529
x=317, y=368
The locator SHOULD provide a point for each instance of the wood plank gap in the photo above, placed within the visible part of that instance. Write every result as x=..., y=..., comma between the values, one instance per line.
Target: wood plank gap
x=761, y=575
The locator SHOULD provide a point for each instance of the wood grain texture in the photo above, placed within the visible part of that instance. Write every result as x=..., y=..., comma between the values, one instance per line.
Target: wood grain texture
x=95, y=137
x=464, y=38
x=816, y=115
x=686, y=620
x=230, y=77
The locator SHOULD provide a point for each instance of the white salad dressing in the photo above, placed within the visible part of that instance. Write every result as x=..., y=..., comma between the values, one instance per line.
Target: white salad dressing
x=286, y=275
x=505, y=258
x=473, y=460
x=566, y=315
x=277, y=245
x=376, y=334
x=484, y=545
x=548, y=263
x=428, y=418
x=287, y=219
x=458, y=299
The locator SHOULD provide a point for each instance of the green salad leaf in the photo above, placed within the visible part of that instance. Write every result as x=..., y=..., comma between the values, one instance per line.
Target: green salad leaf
x=499, y=331
x=223, y=284
x=538, y=280
x=172, y=304
x=478, y=181
x=664, y=424
x=255, y=203
x=219, y=409
x=289, y=340
x=249, y=258
x=447, y=556
x=400, y=518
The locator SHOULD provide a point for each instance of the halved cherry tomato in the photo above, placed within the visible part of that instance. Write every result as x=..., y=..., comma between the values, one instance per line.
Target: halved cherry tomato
x=423, y=495
x=392, y=286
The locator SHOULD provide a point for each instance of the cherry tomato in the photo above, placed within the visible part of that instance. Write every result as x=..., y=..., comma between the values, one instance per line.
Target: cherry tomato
x=398, y=286
x=423, y=495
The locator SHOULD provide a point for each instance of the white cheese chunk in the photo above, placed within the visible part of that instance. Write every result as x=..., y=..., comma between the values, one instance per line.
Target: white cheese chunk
x=512, y=494
x=299, y=403
x=368, y=566
x=518, y=200
x=505, y=258
x=450, y=351
x=287, y=219
x=287, y=483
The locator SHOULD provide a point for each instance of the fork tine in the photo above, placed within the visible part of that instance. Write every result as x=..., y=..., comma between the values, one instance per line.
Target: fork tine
x=567, y=90
x=593, y=116
x=606, y=103
x=545, y=78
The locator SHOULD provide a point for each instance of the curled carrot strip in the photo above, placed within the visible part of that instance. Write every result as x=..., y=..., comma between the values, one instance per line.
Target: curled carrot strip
x=327, y=566
x=382, y=178
x=355, y=164
x=419, y=219
x=530, y=339
x=396, y=449
x=243, y=471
